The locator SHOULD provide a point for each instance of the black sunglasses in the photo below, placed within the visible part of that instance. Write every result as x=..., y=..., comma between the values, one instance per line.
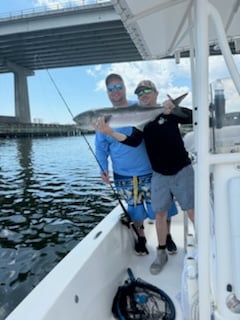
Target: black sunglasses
x=144, y=91
x=117, y=86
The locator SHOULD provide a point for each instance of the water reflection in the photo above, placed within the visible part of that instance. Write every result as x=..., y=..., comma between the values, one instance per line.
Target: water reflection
x=51, y=197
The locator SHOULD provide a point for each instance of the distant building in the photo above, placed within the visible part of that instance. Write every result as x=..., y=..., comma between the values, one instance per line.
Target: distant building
x=37, y=120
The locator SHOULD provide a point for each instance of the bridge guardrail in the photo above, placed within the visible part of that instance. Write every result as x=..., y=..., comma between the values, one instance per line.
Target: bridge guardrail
x=54, y=7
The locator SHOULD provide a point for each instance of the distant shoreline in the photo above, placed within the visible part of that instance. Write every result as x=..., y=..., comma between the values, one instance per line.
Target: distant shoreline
x=15, y=130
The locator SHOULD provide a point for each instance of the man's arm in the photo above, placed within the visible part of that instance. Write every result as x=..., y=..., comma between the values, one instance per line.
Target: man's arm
x=184, y=115
x=102, y=152
x=133, y=140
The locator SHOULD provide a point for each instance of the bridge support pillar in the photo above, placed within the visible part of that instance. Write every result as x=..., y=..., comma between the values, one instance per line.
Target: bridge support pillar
x=22, y=107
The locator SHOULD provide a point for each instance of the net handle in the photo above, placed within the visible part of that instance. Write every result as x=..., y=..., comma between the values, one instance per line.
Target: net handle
x=131, y=275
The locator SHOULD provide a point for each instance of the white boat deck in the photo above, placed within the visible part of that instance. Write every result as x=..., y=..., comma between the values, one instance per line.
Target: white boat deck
x=170, y=278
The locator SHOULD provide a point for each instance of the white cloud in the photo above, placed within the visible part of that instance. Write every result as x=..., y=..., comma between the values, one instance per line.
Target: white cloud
x=50, y=4
x=59, y=4
x=164, y=73
x=169, y=77
x=93, y=71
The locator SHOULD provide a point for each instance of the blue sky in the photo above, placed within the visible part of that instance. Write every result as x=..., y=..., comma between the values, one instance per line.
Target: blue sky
x=83, y=87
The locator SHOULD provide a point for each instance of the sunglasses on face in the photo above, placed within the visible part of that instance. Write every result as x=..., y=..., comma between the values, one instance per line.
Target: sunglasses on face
x=144, y=91
x=117, y=86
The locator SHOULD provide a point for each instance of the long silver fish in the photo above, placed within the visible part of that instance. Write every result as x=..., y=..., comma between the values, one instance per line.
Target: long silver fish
x=134, y=116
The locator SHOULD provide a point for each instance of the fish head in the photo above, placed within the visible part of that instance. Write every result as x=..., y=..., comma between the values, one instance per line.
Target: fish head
x=86, y=120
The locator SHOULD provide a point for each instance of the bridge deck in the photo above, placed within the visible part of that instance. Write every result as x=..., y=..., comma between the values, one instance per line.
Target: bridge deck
x=83, y=35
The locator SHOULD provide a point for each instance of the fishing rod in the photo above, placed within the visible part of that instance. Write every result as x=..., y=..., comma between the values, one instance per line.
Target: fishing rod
x=125, y=218
x=110, y=184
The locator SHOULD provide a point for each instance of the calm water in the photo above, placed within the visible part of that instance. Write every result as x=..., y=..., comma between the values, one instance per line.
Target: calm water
x=51, y=196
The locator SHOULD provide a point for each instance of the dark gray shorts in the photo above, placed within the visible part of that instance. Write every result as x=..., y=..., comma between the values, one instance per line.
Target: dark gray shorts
x=180, y=185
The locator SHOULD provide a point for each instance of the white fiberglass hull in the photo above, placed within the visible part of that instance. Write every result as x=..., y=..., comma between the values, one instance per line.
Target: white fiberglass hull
x=83, y=284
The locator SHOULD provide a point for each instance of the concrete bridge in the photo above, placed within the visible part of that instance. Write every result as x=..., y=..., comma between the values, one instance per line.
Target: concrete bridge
x=73, y=36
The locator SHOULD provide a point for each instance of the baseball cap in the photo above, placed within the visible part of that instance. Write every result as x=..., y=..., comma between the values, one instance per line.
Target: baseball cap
x=113, y=76
x=145, y=84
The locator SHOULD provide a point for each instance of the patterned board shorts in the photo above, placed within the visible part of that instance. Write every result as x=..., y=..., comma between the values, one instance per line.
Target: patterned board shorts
x=136, y=191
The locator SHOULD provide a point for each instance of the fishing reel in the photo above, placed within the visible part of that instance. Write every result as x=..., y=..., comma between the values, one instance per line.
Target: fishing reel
x=126, y=220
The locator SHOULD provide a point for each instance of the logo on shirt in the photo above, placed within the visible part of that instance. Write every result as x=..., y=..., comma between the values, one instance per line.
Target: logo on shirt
x=161, y=120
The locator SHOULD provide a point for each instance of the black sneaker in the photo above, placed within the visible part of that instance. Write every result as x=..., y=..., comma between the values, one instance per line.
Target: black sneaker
x=170, y=244
x=140, y=246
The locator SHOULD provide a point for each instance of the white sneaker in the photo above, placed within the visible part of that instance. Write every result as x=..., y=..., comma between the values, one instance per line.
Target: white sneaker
x=159, y=262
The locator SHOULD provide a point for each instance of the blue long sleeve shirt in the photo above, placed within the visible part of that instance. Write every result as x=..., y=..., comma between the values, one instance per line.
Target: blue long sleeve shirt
x=126, y=160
